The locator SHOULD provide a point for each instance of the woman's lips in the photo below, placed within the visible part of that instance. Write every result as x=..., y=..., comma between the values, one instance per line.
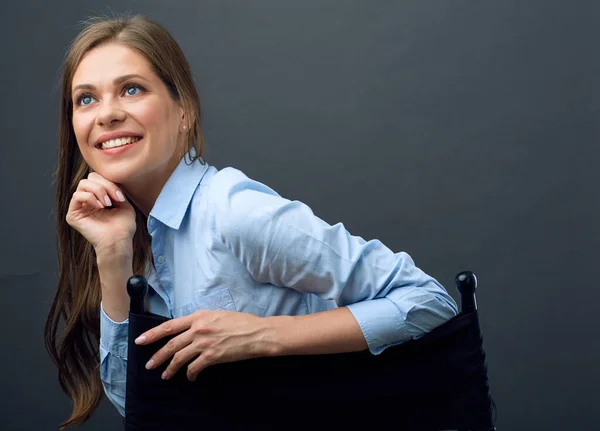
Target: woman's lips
x=118, y=150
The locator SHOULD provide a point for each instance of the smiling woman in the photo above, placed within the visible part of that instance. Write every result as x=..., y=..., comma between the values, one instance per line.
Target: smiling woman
x=242, y=271
x=115, y=84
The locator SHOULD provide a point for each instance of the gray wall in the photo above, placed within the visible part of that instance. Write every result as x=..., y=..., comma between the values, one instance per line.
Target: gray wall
x=462, y=132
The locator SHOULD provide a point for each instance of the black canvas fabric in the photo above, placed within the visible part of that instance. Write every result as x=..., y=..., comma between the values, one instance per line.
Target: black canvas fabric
x=438, y=382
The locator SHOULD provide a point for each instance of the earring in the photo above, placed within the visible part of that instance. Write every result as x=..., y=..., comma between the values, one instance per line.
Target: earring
x=185, y=128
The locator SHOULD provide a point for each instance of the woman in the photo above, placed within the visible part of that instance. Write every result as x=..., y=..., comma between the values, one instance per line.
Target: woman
x=242, y=271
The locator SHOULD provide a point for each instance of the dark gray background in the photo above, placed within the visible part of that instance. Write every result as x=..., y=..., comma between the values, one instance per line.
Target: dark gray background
x=462, y=132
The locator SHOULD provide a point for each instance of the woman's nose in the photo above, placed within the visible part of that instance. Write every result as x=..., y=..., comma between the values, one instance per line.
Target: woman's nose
x=110, y=112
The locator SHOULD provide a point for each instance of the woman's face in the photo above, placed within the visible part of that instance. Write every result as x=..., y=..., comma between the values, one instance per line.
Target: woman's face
x=118, y=99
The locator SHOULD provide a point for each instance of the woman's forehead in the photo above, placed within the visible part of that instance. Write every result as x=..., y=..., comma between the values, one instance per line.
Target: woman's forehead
x=104, y=63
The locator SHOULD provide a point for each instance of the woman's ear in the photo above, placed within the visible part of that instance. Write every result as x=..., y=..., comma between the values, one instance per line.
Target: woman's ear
x=187, y=121
x=184, y=123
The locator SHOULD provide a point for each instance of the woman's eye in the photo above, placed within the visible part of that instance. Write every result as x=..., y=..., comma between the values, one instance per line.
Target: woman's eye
x=132, y=90
x=84, y=99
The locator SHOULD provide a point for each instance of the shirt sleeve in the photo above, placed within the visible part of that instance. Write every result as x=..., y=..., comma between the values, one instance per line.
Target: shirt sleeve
x=282, y=242
x=113, y=359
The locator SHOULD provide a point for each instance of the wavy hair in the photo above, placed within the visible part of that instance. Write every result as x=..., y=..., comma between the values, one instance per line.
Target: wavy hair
x=76, y=305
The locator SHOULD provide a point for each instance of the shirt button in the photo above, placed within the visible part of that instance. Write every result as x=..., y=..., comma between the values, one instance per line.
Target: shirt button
x=161, y=259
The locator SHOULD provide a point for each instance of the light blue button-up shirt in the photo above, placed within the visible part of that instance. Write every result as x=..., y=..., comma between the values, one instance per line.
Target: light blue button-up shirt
x=222, y=241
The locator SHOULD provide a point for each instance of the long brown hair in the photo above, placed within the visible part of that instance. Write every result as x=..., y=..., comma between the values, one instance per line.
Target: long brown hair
x=77, y=299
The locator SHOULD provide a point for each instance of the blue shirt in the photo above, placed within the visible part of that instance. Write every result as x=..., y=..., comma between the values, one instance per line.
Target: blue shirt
x=222, y=241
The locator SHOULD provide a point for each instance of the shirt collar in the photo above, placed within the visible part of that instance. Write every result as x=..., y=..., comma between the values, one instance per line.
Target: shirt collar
x=172, y=202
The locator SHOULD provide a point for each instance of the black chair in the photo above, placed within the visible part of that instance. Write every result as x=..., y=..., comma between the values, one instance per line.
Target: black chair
x=437, y=382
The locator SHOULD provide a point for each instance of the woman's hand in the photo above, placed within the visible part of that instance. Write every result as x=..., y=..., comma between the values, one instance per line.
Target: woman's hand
x=210, y=336
x=89, y=215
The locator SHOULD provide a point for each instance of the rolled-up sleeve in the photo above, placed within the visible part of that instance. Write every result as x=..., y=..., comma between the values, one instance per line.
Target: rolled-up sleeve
x=282, y=242
x=113, y=359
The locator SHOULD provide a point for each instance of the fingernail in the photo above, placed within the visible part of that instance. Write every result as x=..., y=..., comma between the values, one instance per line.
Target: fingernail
x=99, y=204
x=149, y=364
x=164, y=375
x=120, y=196
x=141, y=339
x=107, y=200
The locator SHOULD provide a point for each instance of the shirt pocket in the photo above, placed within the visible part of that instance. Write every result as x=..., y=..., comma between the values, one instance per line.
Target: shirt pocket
x=214, y=298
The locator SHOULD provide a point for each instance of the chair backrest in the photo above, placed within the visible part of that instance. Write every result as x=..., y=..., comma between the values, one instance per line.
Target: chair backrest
x=436, y=382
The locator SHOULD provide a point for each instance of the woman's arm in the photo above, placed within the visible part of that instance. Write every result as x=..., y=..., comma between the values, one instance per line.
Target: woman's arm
x=332, y=331
x=282, y=242
x=113, y=359
x=383, y=297
x=114, y=270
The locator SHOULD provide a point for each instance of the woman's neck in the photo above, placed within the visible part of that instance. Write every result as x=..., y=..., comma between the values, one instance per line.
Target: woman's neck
x=144, y=190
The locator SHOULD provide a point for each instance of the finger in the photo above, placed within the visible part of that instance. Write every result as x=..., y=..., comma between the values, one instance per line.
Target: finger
x=170, y=349
x=180, y=358
x=113, y=190
x=106, y=191
x=205, y=359
x=97, y=189
x=81, y=198
x=172, y=326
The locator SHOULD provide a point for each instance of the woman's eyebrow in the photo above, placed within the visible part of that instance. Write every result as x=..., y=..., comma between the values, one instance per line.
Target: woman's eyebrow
x=116, y=81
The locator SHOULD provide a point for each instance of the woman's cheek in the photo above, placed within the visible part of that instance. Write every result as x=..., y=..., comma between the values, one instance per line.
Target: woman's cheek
x=82, y=123
x=147, y=114
x=82, y=127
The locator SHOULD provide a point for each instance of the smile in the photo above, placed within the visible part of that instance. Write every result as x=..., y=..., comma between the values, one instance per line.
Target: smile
x=119, y=142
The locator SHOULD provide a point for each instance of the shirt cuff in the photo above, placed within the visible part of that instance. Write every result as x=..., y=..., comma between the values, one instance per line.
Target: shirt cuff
x=381, y=322
x=113, y=335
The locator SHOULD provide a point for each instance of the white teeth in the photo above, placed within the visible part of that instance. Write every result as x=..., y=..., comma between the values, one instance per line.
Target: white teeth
x=119, y=142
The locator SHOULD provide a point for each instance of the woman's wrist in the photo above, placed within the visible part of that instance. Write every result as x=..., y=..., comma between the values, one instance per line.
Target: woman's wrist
x=114, y=253
x=273, y=340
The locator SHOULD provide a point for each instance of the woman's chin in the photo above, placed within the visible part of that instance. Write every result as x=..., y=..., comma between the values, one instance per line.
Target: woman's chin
x=115, y=175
